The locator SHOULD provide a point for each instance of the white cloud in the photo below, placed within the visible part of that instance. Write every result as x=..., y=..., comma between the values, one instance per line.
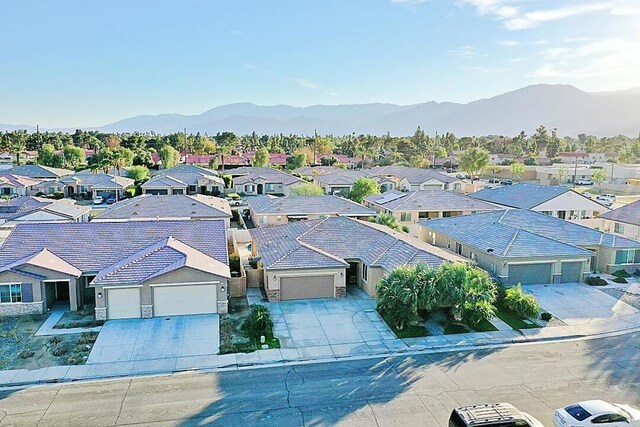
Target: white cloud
x=314, y=86
x=513, y=17
x=466, y=52
x=508, y=43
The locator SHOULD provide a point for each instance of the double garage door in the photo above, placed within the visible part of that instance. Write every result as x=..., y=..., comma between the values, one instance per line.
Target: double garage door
x=540, y=274
x=173, y=300
x=303, y=287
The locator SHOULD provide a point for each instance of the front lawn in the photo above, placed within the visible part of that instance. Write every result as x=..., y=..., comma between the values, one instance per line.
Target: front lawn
x=460, y=328
x=512, y=319
x=411, y=331
x=83, y=318
x=232, y=338
x=20, y=349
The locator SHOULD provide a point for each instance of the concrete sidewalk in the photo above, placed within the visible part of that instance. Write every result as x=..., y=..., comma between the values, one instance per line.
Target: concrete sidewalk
x=274, y=357
x=47, y=328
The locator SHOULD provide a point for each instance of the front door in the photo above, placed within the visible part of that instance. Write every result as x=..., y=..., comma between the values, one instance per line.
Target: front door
x=352, y=273
x=62, y=291
x=260, y=189
x=203, y=189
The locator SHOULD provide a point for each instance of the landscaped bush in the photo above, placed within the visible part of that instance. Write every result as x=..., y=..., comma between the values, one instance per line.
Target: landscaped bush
x=620, y=280
x=88, y=338
x=595, y=281
x=54, y=340
x=58, y=195
x=405, y=228
x=234, y=263
x=464, y=291
x=258, y=323
x=58, y=351
x=523, y=304
x=546, y=316
x=621, y=273
x=25, y=354
x=637, y=272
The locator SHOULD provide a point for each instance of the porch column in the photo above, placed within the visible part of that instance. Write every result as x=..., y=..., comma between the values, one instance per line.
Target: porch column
x=73, y=294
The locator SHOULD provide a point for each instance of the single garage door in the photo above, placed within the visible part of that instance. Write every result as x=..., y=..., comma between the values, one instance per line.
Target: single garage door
x=180, y=300
x=157, y=192
x=123, y=303
x=571, y=272
x=302, y=287
x=530, y=274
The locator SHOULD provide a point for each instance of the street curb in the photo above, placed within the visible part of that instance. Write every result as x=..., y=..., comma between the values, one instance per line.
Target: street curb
x=329, y=359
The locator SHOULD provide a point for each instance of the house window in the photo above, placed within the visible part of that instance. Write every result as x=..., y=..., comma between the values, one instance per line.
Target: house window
x=405, y=216
x=457, y=186
x=446, y=214
x=448, y=243
x=618, y=228
x=10, y=293
x=458, y=248
x=263, y=219
x=192, y=189
x=365, y=272
x=269, y=187
x=249, y=188
x=472, y=255
x=493, y=267
x=422, y=215
x=627, y=257
x=279, y=218
x=562, y=214
x=583, y=214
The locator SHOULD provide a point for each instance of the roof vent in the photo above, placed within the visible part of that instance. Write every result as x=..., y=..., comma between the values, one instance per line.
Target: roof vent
x=489, y=250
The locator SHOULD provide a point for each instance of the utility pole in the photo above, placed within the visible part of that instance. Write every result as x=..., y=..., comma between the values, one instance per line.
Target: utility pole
x=315, y=144
x=575, y=172
x=184, y=132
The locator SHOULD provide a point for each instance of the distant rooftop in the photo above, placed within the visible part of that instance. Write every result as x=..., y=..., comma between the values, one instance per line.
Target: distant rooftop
x=178, y=206
x=308, y=205
x=629, y=214
x=522, y=195
x=428, y=200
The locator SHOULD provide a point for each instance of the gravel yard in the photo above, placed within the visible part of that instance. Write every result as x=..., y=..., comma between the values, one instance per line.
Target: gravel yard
x=632, y=299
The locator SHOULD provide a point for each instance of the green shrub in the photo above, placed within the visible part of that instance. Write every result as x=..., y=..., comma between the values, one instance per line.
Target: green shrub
x=58, y=195
x=546, y=316
x=621, y=273
x=595, y=281
x=637, y=272
x=58, y=351
x=405, y=228
x=620, y=280
x=87, y=338
x=76, y=359
x=258, y=323
x=54, y=340
x=234, y=263
x=523, y=304
x=25, y=354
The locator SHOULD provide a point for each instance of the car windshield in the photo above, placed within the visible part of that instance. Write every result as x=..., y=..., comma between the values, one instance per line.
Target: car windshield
x=577, y=412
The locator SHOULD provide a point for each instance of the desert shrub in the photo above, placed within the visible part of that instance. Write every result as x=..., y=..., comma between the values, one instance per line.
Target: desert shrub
x=58, y=195
x=621, y=273
x=620, y=280
x=76, y=359
x=87, y=338
x=595, y=281
x=523, y=304
x=405, y=228
x=546, y=316
x=25, y=354
x=54, y=340
x=637, y=272
x=234, y=263
x=58, y=351
x=258, y=323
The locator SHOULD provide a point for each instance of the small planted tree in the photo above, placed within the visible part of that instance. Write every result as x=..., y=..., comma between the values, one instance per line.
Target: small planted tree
x=523, y=304
x=517, y=170
x=258, y=323
x=398, y=298
x=307, y=189
x=362, y=188
x=386, y=219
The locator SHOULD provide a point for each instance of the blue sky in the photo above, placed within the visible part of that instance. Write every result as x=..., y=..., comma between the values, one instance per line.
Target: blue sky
x=87, y=63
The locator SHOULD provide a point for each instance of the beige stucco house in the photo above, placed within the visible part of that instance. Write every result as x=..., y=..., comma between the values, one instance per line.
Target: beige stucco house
x=254, y=181
x=270, y=210
x=522, y=246
x=127, y=269
x=184, y=179
x=623, y=221
x=320, y=258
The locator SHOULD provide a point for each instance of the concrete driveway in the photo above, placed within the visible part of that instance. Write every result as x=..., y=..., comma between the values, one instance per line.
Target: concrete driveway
x=341, y=326
x=158, y=338
x=577, y=303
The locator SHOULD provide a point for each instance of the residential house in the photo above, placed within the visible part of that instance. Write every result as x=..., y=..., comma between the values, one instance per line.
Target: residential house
x=203, y=160
x=319, y=258
x=409, y=208
x=623, y=221
x=312, y=171
x=407, y=178
x=128, y=269
x=582, y=157
x=341, y=181
x=257, y=180
x=275, y=159
x=17, y=185
x=523, y=246
x=36, y=209
x=559, y=202
x=149, y=207
x=566, y=174
x=88, y=185
x=38, y=172
x=184, y=179
x=270, y=210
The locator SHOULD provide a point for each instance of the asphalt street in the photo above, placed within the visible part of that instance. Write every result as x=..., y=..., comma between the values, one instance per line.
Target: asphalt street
x=401, y=391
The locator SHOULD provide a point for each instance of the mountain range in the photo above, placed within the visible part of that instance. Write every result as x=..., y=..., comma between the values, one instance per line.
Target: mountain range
x=567, y=108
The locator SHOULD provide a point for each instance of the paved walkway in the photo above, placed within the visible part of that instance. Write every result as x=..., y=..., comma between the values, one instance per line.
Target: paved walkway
x=47, y=328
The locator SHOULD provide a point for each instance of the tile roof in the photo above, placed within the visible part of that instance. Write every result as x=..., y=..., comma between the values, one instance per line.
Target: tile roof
x=307, y=205
x=177, y=206
x=324, y=243
x=413, y=175
x=168, y=254
x=251, y=174
x=47, y=260
x=522, y=195
x=18, y=181
x=343, y=177
x=94, y=246
x=524, y=233
x=429, y=200
x=97, y=180
x=182, y=175
x=316, y=170
x=14, y=209
x=629, y=214
x=38, y=171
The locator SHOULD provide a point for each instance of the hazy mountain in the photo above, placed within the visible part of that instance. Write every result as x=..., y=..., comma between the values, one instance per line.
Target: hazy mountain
x=567, y=108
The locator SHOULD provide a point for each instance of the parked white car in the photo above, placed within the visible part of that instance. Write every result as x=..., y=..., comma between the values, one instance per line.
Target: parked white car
x=609, y=196
x=596, y=413
x=98, y=200
x=584, y=181
x=234, y=202
x=603, y=199
x=587, y=194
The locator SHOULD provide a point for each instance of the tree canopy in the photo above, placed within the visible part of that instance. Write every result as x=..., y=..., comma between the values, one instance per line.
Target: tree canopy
x=363, y=187
x=473, y=160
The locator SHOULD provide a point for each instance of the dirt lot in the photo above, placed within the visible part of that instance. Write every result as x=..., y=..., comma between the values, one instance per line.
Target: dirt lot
x=20, y=349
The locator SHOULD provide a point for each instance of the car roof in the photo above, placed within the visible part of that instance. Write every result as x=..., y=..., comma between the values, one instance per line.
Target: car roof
x=478, y=415
x=597, y=407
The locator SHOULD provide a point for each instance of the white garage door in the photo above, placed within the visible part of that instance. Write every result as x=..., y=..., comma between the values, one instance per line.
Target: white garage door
x=303, y=287
x=189, y=299
x=123, y=303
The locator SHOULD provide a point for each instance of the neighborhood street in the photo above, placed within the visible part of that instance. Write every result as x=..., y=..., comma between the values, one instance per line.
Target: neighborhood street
x=407, y=391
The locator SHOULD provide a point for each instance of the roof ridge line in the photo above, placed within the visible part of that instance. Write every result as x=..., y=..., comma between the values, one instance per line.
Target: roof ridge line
x=513, y=239
x=160, y=244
